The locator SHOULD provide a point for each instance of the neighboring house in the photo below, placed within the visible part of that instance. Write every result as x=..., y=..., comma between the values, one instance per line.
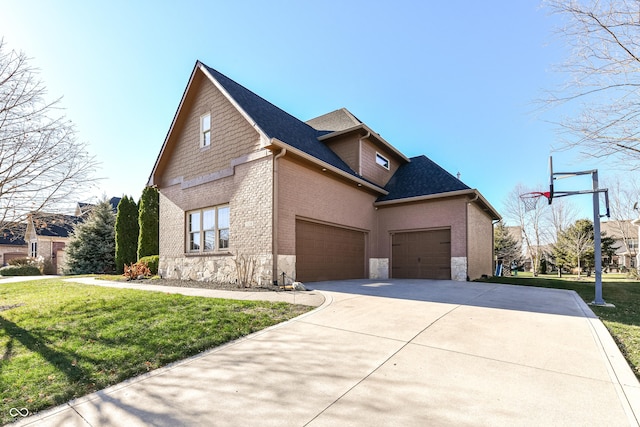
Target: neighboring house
x=83, y=209
x=626, y=253
x=12, y=244
x=242, y=184
x=47, y=235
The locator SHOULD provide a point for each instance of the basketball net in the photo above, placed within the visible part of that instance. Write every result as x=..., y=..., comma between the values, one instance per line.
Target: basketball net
x=530, y=200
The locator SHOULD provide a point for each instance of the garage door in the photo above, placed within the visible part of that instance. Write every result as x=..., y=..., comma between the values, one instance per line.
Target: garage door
x=421, y=255
x=325, y=252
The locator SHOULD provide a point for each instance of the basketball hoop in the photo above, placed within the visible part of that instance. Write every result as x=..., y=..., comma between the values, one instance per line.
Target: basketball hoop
x=530, y=200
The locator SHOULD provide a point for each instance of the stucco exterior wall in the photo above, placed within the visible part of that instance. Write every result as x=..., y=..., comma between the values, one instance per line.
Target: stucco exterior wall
x=480, y=243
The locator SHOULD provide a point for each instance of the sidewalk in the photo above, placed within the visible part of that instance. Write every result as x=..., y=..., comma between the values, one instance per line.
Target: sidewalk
x=311, y=298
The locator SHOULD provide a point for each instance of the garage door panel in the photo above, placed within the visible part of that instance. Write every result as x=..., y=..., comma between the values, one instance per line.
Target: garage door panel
x=421, y=255
x=326, y=252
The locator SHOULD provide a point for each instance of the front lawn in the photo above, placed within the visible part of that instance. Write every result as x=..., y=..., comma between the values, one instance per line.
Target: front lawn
x=60, y=340
x=623, y=321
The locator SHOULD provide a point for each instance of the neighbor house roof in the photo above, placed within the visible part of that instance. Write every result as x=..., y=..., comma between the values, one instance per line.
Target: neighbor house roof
x=13, y=236
x=54, y=225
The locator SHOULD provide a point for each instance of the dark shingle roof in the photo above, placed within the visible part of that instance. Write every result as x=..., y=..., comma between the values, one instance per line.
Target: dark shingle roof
x=420, y=177
x=279, y=124
x=55, y=225
x=13, y=235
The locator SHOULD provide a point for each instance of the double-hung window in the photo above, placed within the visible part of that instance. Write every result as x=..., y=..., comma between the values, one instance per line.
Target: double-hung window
x=208, y=229
x=205, y=130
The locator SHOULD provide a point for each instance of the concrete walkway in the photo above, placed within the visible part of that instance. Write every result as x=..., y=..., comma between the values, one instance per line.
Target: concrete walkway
x=405, y=353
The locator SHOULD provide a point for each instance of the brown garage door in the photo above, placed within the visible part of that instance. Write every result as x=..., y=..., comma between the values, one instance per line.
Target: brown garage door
x=324, y=252
x=421, y=255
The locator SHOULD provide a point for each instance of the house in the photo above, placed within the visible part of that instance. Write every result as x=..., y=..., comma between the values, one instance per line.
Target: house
x=43, y=236
x=12, y=244
x=625, y=234
x=83, y=208
x=245, y=186
x=47, y=235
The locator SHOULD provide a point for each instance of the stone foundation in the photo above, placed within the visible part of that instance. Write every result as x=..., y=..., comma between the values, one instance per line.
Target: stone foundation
x=287, y=264
x=220, y=268
x=378, y=268
x=459, y=268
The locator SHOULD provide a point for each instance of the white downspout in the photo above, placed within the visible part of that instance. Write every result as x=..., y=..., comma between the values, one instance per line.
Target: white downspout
x=274, y=214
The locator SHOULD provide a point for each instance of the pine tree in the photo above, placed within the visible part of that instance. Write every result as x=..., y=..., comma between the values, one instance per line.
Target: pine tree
x=92, y=245
x=148, y=219
x=126, y=233
x=506, y=246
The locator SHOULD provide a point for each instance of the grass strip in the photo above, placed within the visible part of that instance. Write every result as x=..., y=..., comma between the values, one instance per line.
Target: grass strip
x=60, y=340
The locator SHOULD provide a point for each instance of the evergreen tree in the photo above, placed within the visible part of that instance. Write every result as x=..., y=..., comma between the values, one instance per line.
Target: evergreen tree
x=92, y=245
x=506, y=247
x=126, y=233
x=148, y=219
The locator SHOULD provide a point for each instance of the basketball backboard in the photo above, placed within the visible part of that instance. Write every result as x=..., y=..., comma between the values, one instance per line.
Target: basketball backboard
x=550, y=179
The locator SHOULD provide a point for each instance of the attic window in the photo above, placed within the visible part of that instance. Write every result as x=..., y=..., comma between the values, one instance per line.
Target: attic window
x=382, y=161
x=205, y=130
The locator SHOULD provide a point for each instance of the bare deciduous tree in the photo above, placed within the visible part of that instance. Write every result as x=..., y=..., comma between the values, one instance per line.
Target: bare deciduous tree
x=42, y=163
x=562, y=214
x=530, y=222
x=604, y=75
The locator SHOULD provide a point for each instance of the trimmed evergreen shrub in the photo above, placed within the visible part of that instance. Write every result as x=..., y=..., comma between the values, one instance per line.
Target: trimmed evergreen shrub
x=151, y=262
x=148, y=219
x=20, y=270
x=126, y=233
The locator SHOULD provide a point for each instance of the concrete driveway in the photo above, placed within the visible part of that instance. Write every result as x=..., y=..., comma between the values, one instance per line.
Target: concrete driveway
x=401, y=353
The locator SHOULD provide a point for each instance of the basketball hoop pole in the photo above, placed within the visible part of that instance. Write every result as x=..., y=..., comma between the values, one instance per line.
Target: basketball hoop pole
x=598, y=300
x=597, y=242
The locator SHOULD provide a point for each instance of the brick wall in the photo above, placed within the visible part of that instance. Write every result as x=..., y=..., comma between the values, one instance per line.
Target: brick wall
x=7, y=252
x=480, y=257
x=312, y=194
x=422, y=216
x=249, y=195
x=233, y=170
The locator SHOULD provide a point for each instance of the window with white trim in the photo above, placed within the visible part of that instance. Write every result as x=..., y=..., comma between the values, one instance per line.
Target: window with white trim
x=205, y=130
x=208, y=229
x=33, y=250
x=382, y=161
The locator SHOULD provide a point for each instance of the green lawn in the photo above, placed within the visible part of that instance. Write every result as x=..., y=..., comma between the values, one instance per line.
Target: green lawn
x=623, y=321
x=59, y=340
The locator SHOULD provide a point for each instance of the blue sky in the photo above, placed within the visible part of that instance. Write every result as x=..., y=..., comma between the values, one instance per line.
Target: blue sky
x=453, y=80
